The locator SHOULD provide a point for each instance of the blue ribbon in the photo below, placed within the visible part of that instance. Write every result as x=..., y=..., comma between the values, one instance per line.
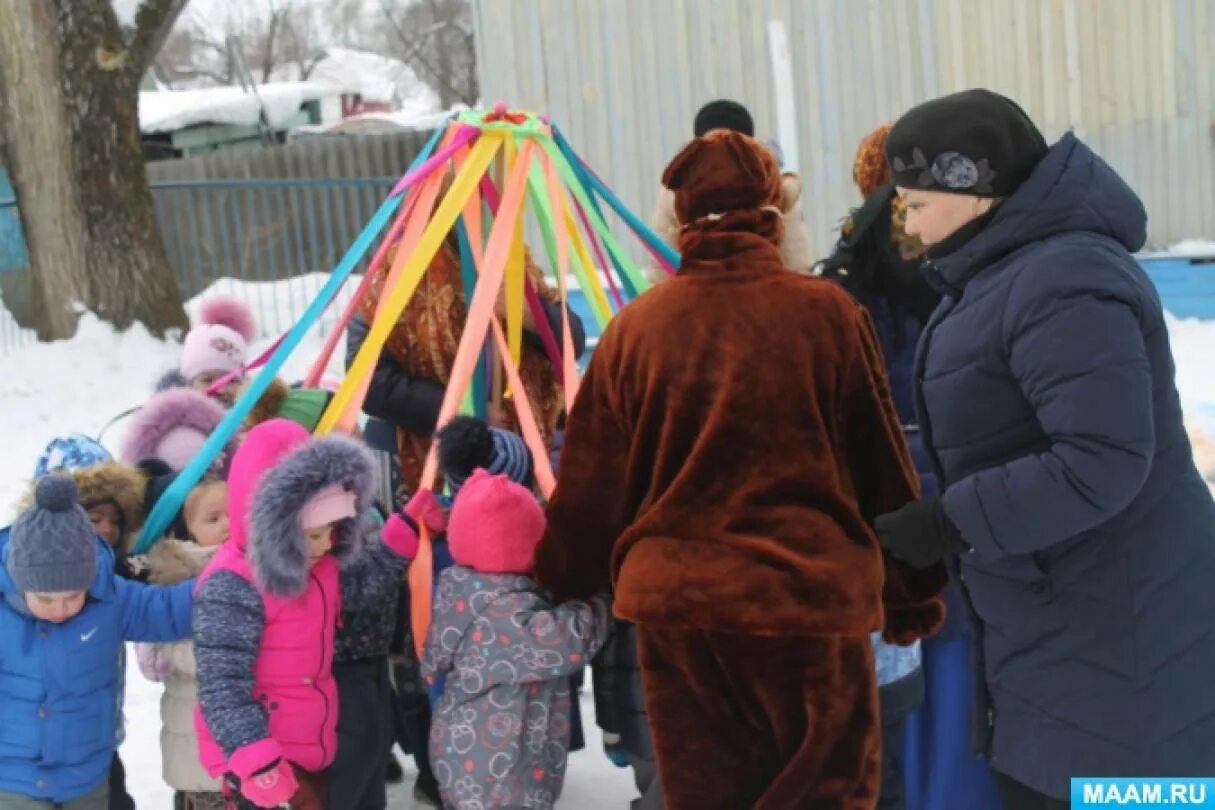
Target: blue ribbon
x=592, y=183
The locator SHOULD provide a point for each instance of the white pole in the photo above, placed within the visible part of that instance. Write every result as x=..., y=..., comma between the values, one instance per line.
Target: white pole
x=782, y=83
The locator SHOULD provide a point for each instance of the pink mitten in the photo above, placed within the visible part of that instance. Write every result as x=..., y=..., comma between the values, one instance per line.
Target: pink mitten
x=271, y=787
x=425, y=510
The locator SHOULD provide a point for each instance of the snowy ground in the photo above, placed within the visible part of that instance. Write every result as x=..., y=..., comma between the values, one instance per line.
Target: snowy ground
x=592, y=783
x=80, y=385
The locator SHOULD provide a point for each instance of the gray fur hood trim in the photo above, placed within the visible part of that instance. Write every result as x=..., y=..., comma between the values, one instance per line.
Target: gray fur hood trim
x=277, y=550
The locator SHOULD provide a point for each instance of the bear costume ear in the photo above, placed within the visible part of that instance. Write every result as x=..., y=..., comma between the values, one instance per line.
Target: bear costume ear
x=677, y=170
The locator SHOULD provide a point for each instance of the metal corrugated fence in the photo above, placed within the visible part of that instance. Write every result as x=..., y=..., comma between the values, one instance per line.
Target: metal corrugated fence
x=256, y=231
x=1134, y=78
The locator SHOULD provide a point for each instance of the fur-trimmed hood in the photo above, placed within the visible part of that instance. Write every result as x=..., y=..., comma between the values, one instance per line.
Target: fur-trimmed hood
x=277, y=469
x=181, y=415
x=112, y=482
x=172, y=561
x=268, y=405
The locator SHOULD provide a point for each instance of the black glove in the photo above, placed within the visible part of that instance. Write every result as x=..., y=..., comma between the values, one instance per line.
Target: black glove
x=920, y=534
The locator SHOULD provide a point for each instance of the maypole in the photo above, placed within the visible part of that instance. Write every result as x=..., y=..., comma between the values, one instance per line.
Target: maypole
x=501, y=164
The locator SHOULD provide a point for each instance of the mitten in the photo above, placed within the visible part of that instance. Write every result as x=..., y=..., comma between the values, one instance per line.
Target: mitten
x=424, y=509
x=272, y=787
x=920, y=534
x=153, y=665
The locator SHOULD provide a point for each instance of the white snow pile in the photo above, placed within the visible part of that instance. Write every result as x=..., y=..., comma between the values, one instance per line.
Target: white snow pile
x=169, y=110
x=1193, y=247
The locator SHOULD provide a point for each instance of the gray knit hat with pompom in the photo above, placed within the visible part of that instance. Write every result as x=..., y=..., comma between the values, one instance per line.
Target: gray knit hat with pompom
x=52, y=546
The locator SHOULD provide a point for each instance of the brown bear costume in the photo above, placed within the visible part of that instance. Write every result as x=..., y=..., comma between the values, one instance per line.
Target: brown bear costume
x=730, y=446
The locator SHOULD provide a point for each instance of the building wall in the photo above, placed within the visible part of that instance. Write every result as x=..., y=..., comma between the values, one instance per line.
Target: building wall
x=1134, y=78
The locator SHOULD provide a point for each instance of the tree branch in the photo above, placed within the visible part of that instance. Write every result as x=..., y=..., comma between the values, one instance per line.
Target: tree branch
x=269, y=55
x=153, y=22
x=306, y=69
x=414, y=52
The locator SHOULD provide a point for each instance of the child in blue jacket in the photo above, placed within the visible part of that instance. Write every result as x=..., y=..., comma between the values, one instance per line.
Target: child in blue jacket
x=64, y=615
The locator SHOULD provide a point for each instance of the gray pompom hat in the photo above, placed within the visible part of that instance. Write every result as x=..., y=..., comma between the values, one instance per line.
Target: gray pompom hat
x=52, y=546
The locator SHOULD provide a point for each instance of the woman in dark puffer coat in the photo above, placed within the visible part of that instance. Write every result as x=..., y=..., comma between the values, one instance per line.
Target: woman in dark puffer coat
x=1071, y=509
x=928, y=761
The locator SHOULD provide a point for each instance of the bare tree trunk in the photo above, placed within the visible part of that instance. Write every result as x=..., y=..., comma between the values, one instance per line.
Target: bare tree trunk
x=39, y=151
x=69, y=85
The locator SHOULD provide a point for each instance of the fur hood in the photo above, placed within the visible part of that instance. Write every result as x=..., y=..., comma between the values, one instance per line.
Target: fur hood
x=794, y=245
x=109, y=481
x=168, y=412
x=294, y=468
x=268, y=405
x=172, y=561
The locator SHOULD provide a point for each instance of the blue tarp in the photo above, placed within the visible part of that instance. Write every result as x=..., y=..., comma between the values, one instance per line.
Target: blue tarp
x=13, y=255
x=1186, y=284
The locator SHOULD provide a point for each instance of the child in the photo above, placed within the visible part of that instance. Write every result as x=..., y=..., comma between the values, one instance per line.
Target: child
x=501, y=729
x=175, y=559
x=267, y=612
x=217, y=345
x=112, y=495
x=63, y=617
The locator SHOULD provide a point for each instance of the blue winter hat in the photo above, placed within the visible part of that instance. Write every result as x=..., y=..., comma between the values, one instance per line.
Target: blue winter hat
x=467, y=444
x=75, y=451
x=52, y=547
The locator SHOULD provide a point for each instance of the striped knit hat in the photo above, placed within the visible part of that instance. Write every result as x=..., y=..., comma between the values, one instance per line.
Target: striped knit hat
x=467, y=444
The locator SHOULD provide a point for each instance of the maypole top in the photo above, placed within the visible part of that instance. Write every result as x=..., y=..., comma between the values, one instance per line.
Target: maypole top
x=502, y=117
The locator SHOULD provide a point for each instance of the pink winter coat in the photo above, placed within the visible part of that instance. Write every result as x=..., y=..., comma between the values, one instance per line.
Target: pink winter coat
x=264, y=622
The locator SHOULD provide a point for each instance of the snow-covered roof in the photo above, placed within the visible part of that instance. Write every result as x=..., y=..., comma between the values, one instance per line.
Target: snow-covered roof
x=380, y=121
x=166, y=111
x=374, y=77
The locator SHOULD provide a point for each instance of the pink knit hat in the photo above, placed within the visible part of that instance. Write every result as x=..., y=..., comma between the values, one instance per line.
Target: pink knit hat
x=495, y=525
x=328, y=505
x=220, y=341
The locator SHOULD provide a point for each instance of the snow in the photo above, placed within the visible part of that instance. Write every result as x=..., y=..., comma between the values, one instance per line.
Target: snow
x=375, y=78
x=407, y=118
x=1193, y=247
x=166, y=111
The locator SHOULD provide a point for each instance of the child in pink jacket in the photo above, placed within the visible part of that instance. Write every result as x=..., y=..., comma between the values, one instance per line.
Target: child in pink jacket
x=267, y=607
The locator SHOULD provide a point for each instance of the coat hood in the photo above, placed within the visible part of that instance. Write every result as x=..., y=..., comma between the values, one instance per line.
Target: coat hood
x=267, y=406
x=171, y=426
x=1072, y=189
x=276, y=471
x=111, y=482
x=263, y=447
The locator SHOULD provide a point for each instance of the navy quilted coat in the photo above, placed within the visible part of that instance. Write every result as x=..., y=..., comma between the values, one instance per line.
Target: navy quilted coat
x=1045, y=386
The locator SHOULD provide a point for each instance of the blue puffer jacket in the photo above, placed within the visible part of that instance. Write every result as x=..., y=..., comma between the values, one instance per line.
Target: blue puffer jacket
x=1048, y=403
x=59, y=682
